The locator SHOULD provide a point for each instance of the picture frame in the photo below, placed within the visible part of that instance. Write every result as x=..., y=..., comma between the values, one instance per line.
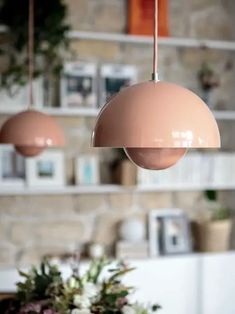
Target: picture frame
x=141, y=17
x=176, y=238
x=87, y=170
x=46, y=169
x=17, y=97
x=169, y=232
x=79, y=85
x=12, y=168
x=113, y=78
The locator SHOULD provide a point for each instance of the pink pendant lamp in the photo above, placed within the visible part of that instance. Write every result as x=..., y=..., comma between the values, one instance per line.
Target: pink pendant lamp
x=31, y=131
x=156, y=122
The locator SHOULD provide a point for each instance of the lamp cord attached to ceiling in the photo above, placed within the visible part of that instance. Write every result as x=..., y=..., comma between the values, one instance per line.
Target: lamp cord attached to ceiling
x=155, y=44
x=31, y=52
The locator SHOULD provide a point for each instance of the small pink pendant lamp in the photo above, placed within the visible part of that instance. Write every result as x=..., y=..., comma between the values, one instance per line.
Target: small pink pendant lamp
x=156, y=122
x=31, y=131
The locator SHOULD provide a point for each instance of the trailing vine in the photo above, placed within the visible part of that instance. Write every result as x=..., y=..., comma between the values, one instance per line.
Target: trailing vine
x=51, y=42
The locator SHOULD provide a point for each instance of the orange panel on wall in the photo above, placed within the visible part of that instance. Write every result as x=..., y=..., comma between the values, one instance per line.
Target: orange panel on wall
x=141, y=17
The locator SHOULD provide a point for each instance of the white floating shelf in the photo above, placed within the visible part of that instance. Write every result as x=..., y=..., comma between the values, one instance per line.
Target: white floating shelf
x=97, y=189
x=60, y=112
x=148, y=40
x=85, y=112
x=93, y=112
x=224, y=114
x=109, y=188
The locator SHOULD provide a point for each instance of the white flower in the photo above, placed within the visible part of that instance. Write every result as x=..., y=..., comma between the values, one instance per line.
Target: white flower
x=77, y=311
x=81, y=301
x=90, y=290
x=127, y=309
x=73, y=283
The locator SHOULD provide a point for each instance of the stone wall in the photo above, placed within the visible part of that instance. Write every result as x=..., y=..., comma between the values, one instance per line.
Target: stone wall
x=32, y=226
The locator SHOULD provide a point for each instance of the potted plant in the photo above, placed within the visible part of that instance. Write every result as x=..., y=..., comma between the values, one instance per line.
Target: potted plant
x=50, y=43
x=44, y=291
x=123, y=171
x=215, y=230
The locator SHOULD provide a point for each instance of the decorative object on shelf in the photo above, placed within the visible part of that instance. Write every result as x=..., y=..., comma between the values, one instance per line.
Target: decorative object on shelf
x=46, y=170
x=12, y=168
x=96, y=250
x=24, y=130
x=79, y=85
x=17, y=97
x=132, y=244
x=213, y=228
x=156, y=122
x=114, y=78
x=195, y=171
x=215, y=235
x=51, y=41
x=132, y=230
x=140, y=21
x=123, y=171
x=130, y=250
x=208, y=81
x=87, y=169
x=44, y=291
x=169, y=232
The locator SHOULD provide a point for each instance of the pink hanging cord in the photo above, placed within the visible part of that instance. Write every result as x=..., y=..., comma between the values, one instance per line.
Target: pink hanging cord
x=155, y=44
x=31, y=52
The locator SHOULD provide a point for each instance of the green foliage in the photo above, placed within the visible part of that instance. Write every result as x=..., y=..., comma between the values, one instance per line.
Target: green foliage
x=211, y=195
x=207, y=77
x=218, y=212
x=38, y=282
x=50, y=38
x=44, y=289
x=221, y=213
x=95, y=270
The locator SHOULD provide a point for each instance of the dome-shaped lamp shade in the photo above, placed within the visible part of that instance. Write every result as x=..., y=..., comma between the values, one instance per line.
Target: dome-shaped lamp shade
x=156, y=122
x=30, y=132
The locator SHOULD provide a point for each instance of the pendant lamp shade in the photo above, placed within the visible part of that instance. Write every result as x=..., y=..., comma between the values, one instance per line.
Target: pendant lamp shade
x=156, y=122
x=156, y=115
x=30, y=132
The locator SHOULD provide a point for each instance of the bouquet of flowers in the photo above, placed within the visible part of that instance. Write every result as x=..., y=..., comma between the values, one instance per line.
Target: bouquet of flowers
x=45, y=292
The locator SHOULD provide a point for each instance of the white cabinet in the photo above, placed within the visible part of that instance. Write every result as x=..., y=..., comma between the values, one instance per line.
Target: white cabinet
x=171, y=281
x=218, y=290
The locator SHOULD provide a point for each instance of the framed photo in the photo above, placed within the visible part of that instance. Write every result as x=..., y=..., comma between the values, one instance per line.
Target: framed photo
x=113, y=78
x=12, y=167
x=79, y=85
x=87, y=170
x=17, y=97
x=176, y=237
x=141, y=17
x=169, y=232
x=46, y=169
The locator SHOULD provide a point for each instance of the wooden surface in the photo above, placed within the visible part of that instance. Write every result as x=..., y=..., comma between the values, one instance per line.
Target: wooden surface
x=4, y=296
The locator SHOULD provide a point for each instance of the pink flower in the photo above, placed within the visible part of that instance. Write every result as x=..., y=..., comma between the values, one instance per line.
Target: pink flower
x=31, y=307
x=49, y=312
x=121, y=302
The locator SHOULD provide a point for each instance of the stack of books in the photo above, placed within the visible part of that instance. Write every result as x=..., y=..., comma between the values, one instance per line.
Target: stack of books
x=195, y=169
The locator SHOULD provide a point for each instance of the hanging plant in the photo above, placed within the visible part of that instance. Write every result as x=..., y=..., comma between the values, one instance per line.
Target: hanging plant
x=50, y=45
